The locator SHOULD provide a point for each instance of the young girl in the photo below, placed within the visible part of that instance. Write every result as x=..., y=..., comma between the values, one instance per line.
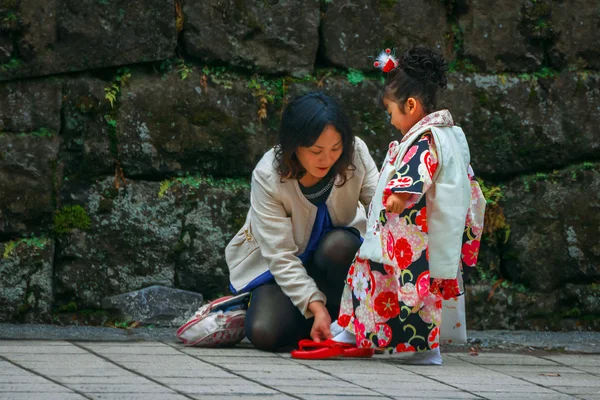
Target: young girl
x=424, y=223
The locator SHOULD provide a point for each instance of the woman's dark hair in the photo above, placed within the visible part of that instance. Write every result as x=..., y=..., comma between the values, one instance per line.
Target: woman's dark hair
x=303, y=121
x=421, y=72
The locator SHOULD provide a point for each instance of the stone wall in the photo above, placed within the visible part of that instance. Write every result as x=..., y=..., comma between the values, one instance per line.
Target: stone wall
x=128, y=131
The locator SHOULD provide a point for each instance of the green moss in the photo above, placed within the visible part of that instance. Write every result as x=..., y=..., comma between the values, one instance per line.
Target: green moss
x=70, y=307
x=355, y=76
x=12, y=65
x=495, y=225
x=38, y=242
x=69, y=218
x=387, y=4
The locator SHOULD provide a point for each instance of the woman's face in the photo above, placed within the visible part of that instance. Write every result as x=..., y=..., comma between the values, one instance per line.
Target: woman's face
x=318, y=159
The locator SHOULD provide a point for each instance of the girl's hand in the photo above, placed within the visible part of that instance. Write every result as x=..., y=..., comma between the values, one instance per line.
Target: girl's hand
x=320, y=330
x=396, y=203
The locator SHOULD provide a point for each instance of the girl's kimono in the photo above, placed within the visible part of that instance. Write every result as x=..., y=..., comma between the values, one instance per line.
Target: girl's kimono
x=396, y=306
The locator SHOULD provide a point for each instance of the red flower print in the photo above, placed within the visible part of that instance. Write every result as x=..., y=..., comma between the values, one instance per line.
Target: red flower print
x=344, y=320
x=373, y=283
x=448, y=288
x=401, y=183
x=403, y=252
x=393, y=152
x=365, y=344
x=351, y=270
x=386, y=305
x=410, y=154
x=384, y=334
x=431, y=166
x=434, y=338
x=423, y=284
x=421, y=219
x=390, y=245
x=404, y=347
x=389, y=269
x=359, y=330
x=470, y=252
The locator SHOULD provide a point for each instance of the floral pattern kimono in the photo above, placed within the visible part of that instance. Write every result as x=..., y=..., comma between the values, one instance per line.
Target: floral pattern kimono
x=398, y=307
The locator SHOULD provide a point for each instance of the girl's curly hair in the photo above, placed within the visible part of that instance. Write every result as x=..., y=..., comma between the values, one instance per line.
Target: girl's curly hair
x=421, y=73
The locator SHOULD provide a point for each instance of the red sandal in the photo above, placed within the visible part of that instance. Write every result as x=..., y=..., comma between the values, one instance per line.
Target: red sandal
x=310, y=350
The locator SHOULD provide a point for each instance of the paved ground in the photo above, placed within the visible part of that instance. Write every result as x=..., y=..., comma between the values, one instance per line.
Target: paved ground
x=165, y=370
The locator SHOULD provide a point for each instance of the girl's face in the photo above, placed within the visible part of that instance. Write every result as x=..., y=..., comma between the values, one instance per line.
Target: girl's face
x=318, y=159
x=404, y=119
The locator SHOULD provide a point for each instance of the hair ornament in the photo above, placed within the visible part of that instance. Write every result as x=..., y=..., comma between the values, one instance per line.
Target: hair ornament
x=386, y=61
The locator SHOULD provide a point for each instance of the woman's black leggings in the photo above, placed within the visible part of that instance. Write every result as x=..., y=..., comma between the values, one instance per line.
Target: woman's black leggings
x=273, y=322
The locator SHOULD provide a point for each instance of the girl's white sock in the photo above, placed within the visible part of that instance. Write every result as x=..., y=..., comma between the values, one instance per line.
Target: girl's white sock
x=335, y=328
x=345, y=337
x=431, y=357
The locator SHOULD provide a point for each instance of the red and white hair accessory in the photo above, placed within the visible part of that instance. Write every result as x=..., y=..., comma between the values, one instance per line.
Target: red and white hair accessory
x=386, y=61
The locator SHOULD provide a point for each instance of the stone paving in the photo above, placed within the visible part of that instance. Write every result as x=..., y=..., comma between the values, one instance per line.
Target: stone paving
x=164, y=370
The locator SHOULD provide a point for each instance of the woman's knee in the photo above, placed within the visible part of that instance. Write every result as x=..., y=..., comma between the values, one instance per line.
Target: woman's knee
x=265, y=336
x=337, y=249
x=271, y=320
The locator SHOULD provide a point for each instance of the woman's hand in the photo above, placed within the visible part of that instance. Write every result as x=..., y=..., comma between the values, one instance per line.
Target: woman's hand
x=320, y=329
x=396, y=203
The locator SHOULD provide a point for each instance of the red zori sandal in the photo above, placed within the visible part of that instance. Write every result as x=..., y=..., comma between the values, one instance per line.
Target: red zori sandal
x=310, y=350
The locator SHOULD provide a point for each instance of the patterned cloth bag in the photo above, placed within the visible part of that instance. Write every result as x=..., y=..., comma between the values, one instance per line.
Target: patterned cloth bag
x=217, y=324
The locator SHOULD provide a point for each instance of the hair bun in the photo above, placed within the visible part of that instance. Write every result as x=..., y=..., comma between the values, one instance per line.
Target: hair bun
x=425, y=65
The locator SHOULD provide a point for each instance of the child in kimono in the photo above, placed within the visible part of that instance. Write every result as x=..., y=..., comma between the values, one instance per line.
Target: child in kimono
x=424, y=224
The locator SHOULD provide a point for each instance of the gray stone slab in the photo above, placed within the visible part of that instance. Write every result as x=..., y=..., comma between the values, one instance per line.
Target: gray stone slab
x=284, y=383
x=577, y=390
x=33, y=387
x=528, y=396
x=134, y=348
x=29, y=378
x=158, y=359
x=327, y=390
x=214, y=381
x=119, y=388
x=247, y=360
x=563, y=380
x=40, y=349
x=518, y=370
x=242, y=397
x=40, y=396
x=307, y=374
x=155, y=305
x=106, y=371
x=135, y=396
x=432, y=371
x=341, y=397
x=428, y=394
x=261, y=367
x=120, y=379
x=65, y=364
x=53, y=358
x=244, y=389
x=574, y=360
x=235, y=352
x=156, y=372
x=510, y=359
x=499, y=388
x=31, y=343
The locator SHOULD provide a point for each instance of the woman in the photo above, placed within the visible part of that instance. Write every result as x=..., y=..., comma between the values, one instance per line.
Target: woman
x=304, y=225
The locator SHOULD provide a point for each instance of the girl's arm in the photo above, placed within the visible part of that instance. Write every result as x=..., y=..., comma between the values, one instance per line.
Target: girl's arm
x=273, y=231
